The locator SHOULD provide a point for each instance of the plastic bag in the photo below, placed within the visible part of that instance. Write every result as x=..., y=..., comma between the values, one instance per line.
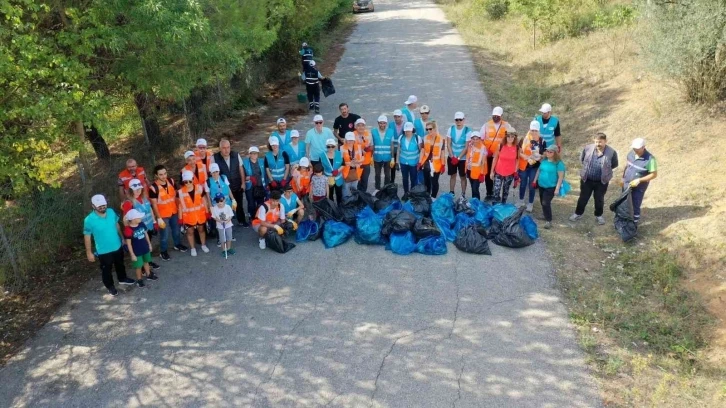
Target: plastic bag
x=502, y=211
x=483, y=212
x=328, y=87
x=425, y=227
x=305, y=229
x=512, y=233
x=349, y=209
x=443, y=208
x=462, y=206
x=565, y=188
x=336, y=233
x=289, y=228
x=368, y=228
x=396, y=205
x=309, y=209
x=445, y=228
x=401, y=243
x=624, y=220
x=463, y=220
x=275, y=242
x=408, y=207
x=327, y=210
x=398, y=221
x=494, y=229
x=432, y=246
x=530, y=226
x=420, y=200
x=473, y=240
x=386, y=196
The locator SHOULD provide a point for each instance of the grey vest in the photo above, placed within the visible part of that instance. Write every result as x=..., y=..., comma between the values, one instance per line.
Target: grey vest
x=606, y=173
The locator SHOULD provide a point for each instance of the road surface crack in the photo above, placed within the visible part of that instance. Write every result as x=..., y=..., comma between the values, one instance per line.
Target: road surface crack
x=456, y=308
x=458, y=383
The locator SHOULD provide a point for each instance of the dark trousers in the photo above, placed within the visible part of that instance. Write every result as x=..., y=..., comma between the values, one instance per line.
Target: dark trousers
x=637, y=195
x=588, y=188
x=393, y=170
x=385, y=168
x=252, y=203
x=337, y=191
x=410, y=177
x=313, y=95
x=108, y=261
x=475, y=188
x=488, y=182
x=363, y=181
x=545, y=198
x=240, y=213
x=431, y=182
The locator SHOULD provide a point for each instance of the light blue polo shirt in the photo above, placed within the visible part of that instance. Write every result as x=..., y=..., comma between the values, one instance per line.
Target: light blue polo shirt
x=317, y=142
x=103, y=230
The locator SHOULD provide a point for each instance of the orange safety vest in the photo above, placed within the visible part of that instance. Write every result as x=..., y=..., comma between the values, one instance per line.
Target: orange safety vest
x=201, y=178
x=527, y=150
x=272, y=216
x=476, y=160
x=210, y=160
x=433, y=147
x=194, y=212
x=494, y=134
x=365, y=140
x=301, y=182
x=357, y=155
x=125, y=177
x=166, y=203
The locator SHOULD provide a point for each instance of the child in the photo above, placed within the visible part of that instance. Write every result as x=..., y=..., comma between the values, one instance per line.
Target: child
x=318, y=184
x=222, y=214
x=139, y=245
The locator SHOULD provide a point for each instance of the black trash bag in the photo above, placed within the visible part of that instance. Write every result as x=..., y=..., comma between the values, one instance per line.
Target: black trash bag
x=349, y=210
x=309, y=209
x=420, y=200
x=425, y=227
x=461, y=205
x=354, y=204
x=275, y=242
x=398, y=221
x=494, y=229
x=512, y=234
x=328, y=88
x=473, y=240
x=328, y=210
x=364, y=198
x=289, y=228
x=624, y=220
x=389, y=191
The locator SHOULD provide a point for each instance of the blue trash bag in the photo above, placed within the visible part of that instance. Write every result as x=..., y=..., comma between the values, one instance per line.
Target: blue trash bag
x=432, y=246
x=401, y=243
x=462, y=220
x=305, y=230
x=368, y=228
x=395, y=205
x=407, y=206
x=445, y=228
x=530, y=226
x=443, y=208
x=484, y=212
x=565, y=188
x=336, y=233
x=502, y=211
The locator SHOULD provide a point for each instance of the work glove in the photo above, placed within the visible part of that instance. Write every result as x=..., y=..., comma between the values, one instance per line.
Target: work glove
x=454, y=161
x=253, y=180
x=180, y=221
x=331, y=181
x=418, y=167
x=335, y=173
x=368, y=149
x=234, y=205
x=161, y=223
x=481, y=178
x=156, y=226
x=279, y=230
x=209, y=216
x=290, y=214
x=516, y=182
x=392, y=163
x=534, y=184
x=283, y=183
x=273, y=184
x=294, y=225
x=635, y=183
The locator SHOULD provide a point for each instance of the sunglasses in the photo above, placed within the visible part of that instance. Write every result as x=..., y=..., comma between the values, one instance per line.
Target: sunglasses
x=333, y=147
x=429, y=129
x=458, y=120
x=318, y=123
x=187, y=182
x=201, y=147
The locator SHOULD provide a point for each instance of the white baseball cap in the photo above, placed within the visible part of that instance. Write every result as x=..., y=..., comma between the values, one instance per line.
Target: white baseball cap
x=475, y=134
x=459, y=115
x=187, y=176
x=331, y=142
x=360, y=120
x=134, y=214
x=534, y=125
x=98, y=200
x=281, y=120
x=201, y=142
x=407, y=126
x=424, y=109
x=294, y=133
x=349, y=136
x=273, y=141
x=411, y=99
x=546, y=107
x=253, y=149
x=304, y=162
x=383, y=118
x=498, y=111
x=135, y=184
x=213, y=167
x=638, y=143
x=188, y=154
x=304, y=44
x=397, y=112
x=317, y=118
x=312, y=63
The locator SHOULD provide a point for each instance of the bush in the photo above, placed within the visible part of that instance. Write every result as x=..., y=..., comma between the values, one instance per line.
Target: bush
x=496, y=9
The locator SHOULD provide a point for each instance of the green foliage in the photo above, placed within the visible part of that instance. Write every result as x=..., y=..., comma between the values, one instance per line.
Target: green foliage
x=495, y=9
x=615, y=16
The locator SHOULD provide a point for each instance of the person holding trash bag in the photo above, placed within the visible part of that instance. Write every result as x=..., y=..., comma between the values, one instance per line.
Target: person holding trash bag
x=493, y=133
x=195, y=206
x=255, y=180
x=222, y=215
x=598, y=162
x=433, y=155
x=409, y=151
x=353, y=163
x=312, y=78
x=531, y=151
x=332, y=162
x=292, y=205
x=382, y=142
x=365, y=141
x=504, y=170
x=476, y=163
x=639, y=172
x=456, y=139
x=549, y=178
x=270, y=216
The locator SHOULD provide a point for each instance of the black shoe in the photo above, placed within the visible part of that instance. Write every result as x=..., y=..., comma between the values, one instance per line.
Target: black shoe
x=317, y=110
x=244, y=224
x=140, y=283
x=180, y=248
x=488, y=198
x=152, y=276
x=165, y=256
x=127, y=281
x=154, y=265
x=113, y=292
x=219, y=244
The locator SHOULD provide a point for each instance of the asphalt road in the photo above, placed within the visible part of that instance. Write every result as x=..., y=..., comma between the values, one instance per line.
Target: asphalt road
x=353, y=326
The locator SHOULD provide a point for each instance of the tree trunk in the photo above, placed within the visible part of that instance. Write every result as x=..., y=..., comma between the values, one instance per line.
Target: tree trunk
x=98, y=143
x=147, y=111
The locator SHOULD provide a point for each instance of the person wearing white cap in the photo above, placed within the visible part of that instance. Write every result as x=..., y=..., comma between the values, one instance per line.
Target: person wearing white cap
x=139, y=246
x=531, y=152
x=219, y=183
x=315, y=139
x=409, y=108
x=196, y=209
x=277, y=165
x=476, y=163
x=301, y=178
x=364, y=139
x=353, y=162
x=549, y=126
x=409, y=152
x=598, y=162
x=311, y=76
x=397, y=126
x=282, y=134
x=433, y=157
x=101, y=228
x=504, y=167
x=230, y=166
x=255, y=180
x=140, y=201
x=132, y=171
x=420, y=123
x=382, y=137
x=344, y=123
x=196, y=167
x=306, y=54
x=493, y=133
x=295, y=150
x=457, y=138
x=639, y=172
x=549, y=178
x=203, y=154
x=332, y=163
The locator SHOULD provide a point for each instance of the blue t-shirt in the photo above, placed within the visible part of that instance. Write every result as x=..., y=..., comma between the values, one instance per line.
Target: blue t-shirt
x=548, y=173
x=137, y=235
x=103, y=230
x=317, y=142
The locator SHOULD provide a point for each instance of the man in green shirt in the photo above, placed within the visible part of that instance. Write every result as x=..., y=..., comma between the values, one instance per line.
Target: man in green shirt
x=640, y=170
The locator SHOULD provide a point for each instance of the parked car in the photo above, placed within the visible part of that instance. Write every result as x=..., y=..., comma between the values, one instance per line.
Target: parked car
x=360, y=6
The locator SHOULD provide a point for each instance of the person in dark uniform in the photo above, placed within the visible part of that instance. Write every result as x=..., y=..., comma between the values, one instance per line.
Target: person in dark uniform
x=230, y=165
x=639, y=172
x=306, y=54
x=312, y=78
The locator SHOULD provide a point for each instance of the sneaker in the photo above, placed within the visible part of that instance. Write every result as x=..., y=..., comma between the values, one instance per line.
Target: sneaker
x=180, y=248
x=154, y=265
x=489, y=198
x=520, y=203
x=231, y=251
x=317, y=110
x=113, y=292
x=245, y=224
x=194, y=252
x=152, y=276
x=463, y=195
x=224, y=254
x=263, y=245
x=575, y=217
x=376, y=191
x=530, y=207
x=205, y=249
x=548, y=225
x=140, y=283
x=219, y=244
x=600, y=220
x=165, y=256
x=127, y=281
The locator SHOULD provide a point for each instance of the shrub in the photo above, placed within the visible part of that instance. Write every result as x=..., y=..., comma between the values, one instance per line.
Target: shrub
x=496, y=9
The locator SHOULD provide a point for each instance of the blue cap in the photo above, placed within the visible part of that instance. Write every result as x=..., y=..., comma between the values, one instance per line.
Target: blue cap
x=218, y=197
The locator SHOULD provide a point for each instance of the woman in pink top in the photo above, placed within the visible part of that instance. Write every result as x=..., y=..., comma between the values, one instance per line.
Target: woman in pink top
x=504, y=167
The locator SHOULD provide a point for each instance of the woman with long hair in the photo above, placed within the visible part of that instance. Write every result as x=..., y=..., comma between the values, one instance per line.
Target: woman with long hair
x=504, y=167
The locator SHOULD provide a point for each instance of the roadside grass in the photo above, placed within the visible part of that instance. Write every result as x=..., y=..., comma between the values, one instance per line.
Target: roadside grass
x=649, y=314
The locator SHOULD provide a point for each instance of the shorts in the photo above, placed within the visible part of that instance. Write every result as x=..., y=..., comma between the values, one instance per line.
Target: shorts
x=256, y=227
x=225, y=233
x=141, y=260
x=197, y=225
x=460, y=167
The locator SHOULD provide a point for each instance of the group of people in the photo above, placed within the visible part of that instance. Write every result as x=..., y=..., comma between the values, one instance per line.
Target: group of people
x=332, y=163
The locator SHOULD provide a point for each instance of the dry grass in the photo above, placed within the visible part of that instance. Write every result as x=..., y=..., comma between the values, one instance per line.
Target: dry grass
x=599, y=83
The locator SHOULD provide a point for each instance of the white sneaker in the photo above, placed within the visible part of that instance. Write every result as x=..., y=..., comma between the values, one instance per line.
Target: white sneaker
x=575, y=217
x=263, y=245
x=193, y=251
x=600, y=220
x=205, y=249
x=530, y=207
x=520, y=203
